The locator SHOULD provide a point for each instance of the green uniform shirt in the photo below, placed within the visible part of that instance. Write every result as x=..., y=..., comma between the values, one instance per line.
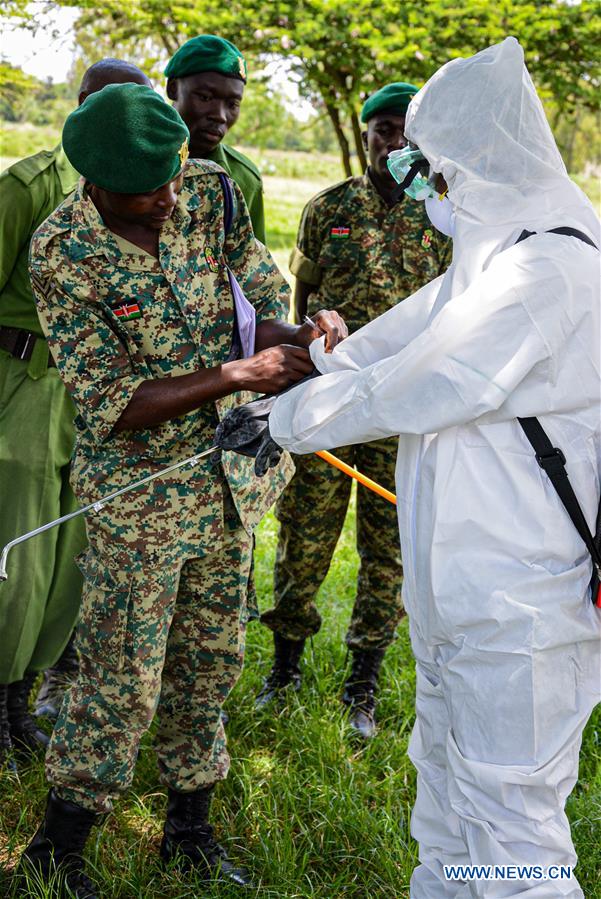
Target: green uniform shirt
x=247, y=177
x=29, y=191
x=115, y=318
x=363, y=255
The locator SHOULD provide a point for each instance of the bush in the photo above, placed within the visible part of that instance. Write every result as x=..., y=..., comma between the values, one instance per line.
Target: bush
x=22, y=139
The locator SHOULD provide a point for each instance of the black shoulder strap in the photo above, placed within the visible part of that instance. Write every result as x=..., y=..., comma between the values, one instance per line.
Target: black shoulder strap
x=553, y=462
x=573, y=232
x=228, y=202
x=228, y=218
x=570, y=232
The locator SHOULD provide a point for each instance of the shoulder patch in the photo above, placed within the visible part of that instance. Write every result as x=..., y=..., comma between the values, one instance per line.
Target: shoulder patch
x=240, y=157
x=29, y=168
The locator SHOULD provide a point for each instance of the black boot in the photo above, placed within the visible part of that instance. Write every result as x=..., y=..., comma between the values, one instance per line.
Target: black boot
x=6, y=744
x=285, y=670
x=56, y=682
x=359, y=691
x=54, y=854
x=25, y=734
x=188, y=838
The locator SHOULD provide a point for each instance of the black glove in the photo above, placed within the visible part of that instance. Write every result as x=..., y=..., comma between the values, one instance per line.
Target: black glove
x=245, y=430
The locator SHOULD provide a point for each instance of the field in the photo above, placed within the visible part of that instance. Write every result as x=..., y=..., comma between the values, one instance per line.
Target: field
x=312, y=813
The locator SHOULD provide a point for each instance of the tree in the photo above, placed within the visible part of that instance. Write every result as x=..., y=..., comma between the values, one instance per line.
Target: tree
x=14, y=87
x=24, y=98
x=341, y=50
x=264, y=121
x=560, y=41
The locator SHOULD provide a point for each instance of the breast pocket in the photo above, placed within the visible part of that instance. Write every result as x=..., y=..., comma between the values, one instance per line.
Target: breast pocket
x=345, y=279
x=342, y=255
x=419, y=257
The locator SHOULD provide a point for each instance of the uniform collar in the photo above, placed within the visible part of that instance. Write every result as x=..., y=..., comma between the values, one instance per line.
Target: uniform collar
x=218, y=155
x=91, y=237
x=366, y=181
x=89, y=234
x=67, y=175
x=370, y=187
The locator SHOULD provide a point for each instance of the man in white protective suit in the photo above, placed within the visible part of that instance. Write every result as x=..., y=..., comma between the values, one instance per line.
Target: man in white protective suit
x=506, y=637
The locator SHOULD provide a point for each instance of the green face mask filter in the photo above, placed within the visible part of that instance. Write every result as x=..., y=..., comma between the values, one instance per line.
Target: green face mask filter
x=410, y=169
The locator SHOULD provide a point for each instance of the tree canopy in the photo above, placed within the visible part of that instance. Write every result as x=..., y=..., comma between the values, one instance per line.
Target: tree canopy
x=339, y=51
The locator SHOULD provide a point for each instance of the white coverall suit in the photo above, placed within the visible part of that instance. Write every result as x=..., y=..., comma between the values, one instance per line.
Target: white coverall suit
x=496, y=577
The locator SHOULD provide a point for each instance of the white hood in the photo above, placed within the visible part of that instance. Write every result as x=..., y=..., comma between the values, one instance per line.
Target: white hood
x=481, y=124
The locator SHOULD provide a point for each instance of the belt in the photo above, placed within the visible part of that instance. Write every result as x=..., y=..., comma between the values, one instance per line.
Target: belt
x=20, y=343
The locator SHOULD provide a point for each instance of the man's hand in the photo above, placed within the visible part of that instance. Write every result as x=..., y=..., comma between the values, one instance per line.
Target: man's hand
x=271, y=370
x=327, y=322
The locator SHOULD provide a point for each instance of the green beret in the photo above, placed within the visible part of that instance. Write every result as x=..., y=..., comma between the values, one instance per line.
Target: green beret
x=393, y=98
x=126, y=139
x=207, y=53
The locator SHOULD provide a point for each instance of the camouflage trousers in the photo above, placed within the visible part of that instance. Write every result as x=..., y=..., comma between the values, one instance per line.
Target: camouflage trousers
x=167, y=639
x=311, y=514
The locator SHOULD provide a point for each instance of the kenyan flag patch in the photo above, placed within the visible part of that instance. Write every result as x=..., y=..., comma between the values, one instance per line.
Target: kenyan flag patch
x=340, y=233
x=427, y=239
x=128, y=311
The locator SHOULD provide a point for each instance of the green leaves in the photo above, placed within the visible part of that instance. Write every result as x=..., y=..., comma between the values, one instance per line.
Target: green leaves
x=343, y=50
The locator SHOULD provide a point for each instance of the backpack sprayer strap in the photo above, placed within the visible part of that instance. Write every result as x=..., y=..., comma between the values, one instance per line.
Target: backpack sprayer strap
x=553, y=462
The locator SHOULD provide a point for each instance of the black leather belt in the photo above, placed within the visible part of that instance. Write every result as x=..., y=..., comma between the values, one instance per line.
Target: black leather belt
x=20, y=343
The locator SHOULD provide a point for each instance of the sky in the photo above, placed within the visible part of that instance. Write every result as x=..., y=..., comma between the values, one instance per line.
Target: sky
x=47, y=54
x=50, y=52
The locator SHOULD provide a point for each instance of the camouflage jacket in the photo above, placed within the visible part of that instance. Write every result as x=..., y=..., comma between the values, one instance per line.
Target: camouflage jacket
x=362, y=255
x=115, y=319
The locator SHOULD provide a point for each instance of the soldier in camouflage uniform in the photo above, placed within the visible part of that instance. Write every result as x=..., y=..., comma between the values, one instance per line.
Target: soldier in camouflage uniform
x=361, y=249
x=206, y=79
x=38, y=607
x=133, y=294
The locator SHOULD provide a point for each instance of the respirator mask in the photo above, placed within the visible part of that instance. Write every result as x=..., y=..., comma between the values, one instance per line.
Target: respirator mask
x=412, y=172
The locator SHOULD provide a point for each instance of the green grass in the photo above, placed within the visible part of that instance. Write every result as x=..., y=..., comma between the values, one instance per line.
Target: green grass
x=21, y=139
x=309, y=811
x=294, y=165
x=284, y=202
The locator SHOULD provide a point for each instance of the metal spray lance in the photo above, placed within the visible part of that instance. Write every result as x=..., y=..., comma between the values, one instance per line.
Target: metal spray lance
x=190, y=462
